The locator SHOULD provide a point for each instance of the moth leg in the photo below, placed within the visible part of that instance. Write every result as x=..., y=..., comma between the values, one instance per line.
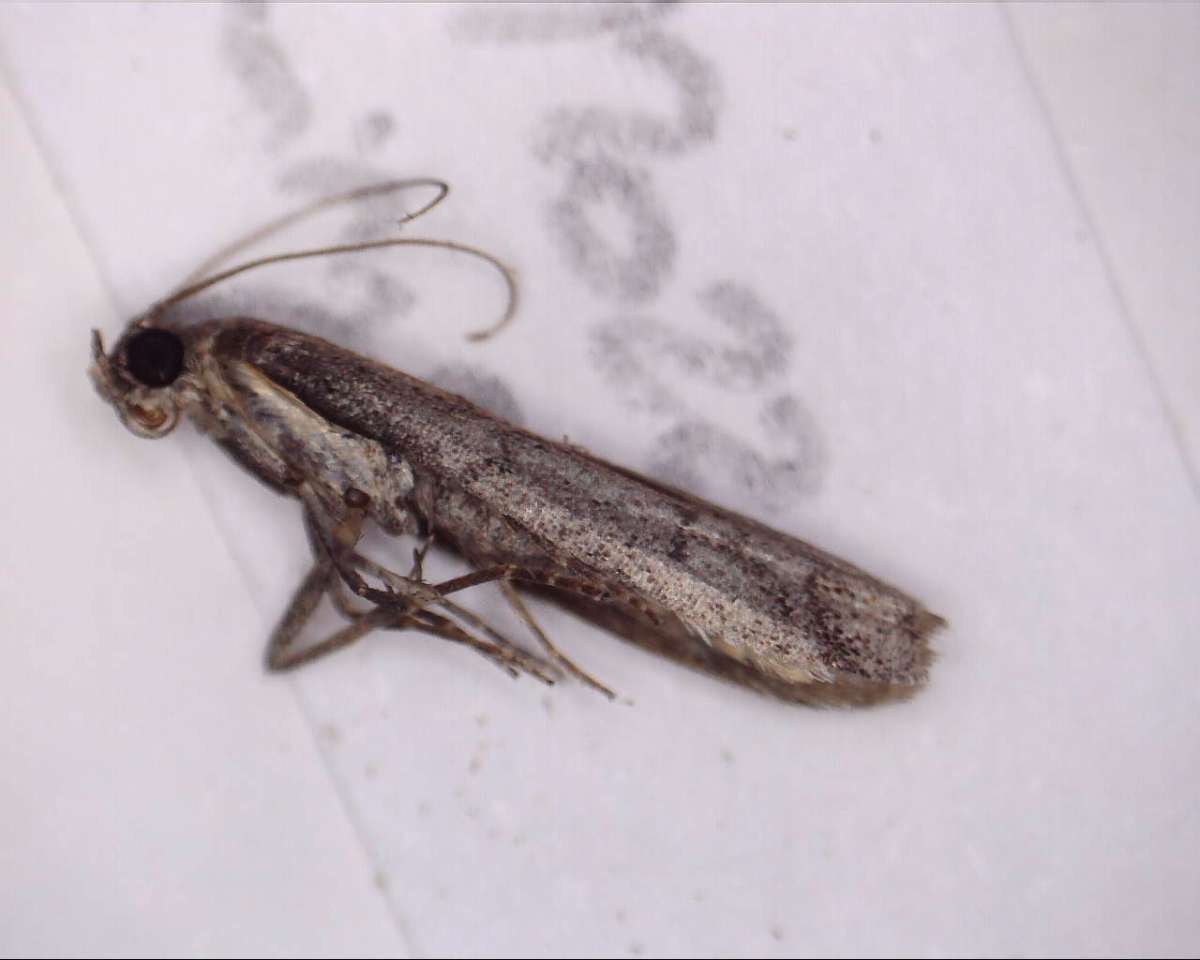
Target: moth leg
x=408, y=590
x=501, y=572
x=318, y=580
x=417, y=572
x=337, y=591
x=504, y=574
x=321, y=579
x=522, y=611
x=549, y=578
x=336, y=540
x=462, y=613
x=509, y=657
x=282, y=657
x=385, y=618
x=591, y=590
x=334, y=549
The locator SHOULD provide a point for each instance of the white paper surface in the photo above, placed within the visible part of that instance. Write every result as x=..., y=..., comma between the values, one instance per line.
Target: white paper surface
x=855, y=271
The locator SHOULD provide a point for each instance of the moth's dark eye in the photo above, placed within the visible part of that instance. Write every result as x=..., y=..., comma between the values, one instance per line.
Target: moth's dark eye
x=154, y=357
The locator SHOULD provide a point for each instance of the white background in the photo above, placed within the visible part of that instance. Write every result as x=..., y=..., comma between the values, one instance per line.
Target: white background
x=976, y=228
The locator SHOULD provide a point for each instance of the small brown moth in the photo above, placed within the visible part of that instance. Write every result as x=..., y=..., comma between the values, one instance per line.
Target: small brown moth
x=357, y=442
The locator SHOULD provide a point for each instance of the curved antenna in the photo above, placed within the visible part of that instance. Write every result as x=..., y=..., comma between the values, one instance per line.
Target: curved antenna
x=505, y=271
x=229, y=251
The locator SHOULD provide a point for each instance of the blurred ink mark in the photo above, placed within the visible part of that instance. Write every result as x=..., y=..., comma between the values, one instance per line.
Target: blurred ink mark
x=618, y=239
x=373, y=130
x=363, y=302
x=266, y=74
x=634, y=353
x=693, y=452
x=800, y=441
x=618, y=359
x=761, y=348
x=543, y=23
x=766, y=344
x=480, y=387
x=260, y=300
x=378, y=291
x=323, y=176
x=574, y=132
x=328, y=174
x=636, y=273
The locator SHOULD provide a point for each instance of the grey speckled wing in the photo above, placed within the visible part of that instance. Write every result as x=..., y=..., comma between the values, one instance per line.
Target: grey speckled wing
x=681, y=576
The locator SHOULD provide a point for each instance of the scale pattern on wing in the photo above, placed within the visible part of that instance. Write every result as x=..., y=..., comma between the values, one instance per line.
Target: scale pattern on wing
x=766, y=599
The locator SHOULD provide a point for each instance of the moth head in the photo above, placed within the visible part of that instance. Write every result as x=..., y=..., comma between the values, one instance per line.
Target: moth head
x=142, y=376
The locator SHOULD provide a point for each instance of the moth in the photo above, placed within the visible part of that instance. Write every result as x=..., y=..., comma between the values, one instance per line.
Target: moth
x=357, y=443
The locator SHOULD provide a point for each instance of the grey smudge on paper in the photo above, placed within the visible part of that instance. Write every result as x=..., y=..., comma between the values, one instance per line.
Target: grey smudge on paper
x=376, y=288
x=373, y=130
x=370, y=290
x=693, y=452
x=619, y=240
x=353, y=328
x=575, y=132
x=480, y=387
x=375, y=219
x=625, y=348
x=361, y=292
x=766, y=343
x=800, y=441
x=255, y=300
x=266, y=74
x=251, y=12
x=617, y=357
x=634, y=267
x=322, y=176
x=635, y=355
x=542, y=23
